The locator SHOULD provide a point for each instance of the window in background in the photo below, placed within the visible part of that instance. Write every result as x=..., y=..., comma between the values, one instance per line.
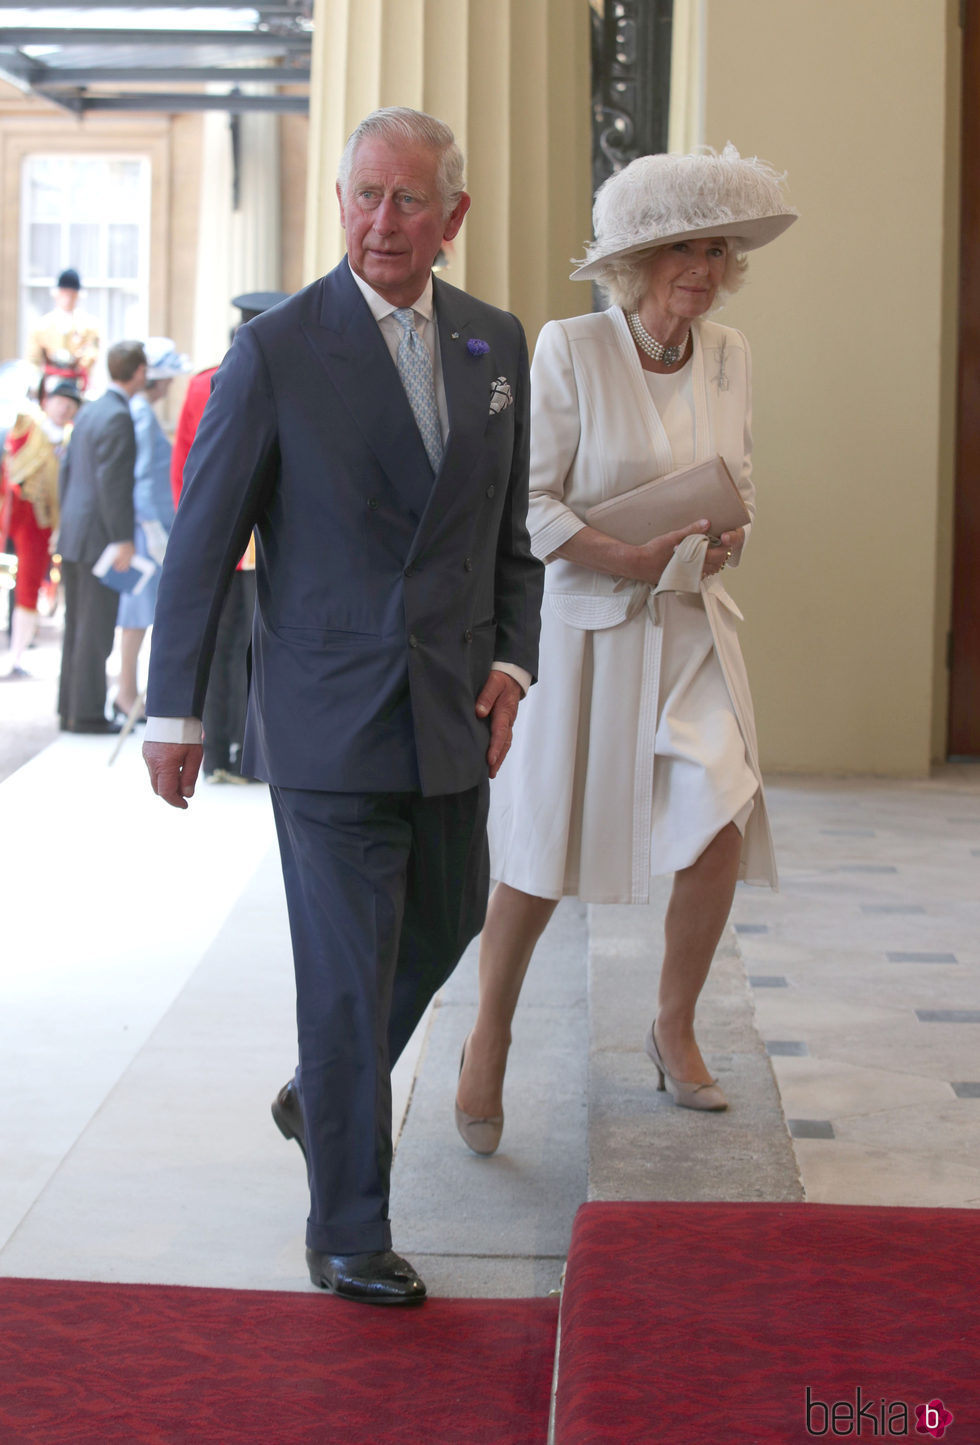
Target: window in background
x=91, y=213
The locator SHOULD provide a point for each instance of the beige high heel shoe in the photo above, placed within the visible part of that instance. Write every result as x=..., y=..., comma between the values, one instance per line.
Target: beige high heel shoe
x=688, y=1096
x=480, y=1135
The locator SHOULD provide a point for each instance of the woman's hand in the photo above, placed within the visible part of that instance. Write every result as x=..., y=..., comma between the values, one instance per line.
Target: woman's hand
x=655, y=554
x=718, y=557
x=591, y=548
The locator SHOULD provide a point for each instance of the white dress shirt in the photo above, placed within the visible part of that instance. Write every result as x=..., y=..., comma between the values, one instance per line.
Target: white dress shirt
x=425, y=326
x=189, y=730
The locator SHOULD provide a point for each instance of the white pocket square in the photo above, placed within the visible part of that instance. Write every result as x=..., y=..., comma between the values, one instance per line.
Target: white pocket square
x=501, y=396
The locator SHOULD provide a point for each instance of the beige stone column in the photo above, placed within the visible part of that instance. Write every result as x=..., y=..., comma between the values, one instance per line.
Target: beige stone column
x=238, y=250
x=687, y=80
x=512, y=79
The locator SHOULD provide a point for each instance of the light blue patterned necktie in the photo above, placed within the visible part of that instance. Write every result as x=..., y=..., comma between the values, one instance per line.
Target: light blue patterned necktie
x=415, y=370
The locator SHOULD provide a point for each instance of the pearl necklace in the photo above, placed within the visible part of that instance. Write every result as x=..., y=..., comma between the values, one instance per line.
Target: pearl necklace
x=669, y=355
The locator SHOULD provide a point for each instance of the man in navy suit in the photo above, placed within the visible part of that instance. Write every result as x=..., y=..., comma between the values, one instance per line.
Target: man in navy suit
x=373, y=430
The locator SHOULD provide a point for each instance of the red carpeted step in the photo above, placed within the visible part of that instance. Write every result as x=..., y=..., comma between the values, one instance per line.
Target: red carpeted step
x=89, y=1364
x=768, y=1324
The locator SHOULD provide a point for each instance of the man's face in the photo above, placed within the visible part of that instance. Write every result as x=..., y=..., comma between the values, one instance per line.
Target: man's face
x=394, y=218
x=65, y=298
x=137, y=381
x=61, y=409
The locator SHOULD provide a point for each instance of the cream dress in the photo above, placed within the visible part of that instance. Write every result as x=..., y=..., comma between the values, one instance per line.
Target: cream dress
x=637, y=745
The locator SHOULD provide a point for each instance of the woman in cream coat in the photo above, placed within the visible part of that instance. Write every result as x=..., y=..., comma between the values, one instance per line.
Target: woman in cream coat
x=636, y=753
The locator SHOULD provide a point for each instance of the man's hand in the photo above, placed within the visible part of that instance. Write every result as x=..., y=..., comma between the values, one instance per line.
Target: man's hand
x=123, y=557
x=499, y=701
x=173, y=769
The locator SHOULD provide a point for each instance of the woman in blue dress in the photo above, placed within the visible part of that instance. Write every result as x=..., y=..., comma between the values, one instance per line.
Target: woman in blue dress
x=154, y=508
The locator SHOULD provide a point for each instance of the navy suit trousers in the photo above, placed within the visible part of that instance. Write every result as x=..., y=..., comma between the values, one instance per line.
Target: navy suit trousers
x=90, y=629
x=384, y=892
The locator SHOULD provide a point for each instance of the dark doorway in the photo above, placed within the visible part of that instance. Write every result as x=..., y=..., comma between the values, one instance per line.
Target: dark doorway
x=631, y=42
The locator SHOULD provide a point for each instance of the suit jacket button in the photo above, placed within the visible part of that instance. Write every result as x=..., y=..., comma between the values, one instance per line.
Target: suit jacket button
x=412, y=640
x=467, y=635
x=490, y=490
x=373, y=503
x=467, y=564
x=409, y=571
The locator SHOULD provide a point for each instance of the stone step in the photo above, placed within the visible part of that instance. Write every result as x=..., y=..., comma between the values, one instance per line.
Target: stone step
x=584, y=1119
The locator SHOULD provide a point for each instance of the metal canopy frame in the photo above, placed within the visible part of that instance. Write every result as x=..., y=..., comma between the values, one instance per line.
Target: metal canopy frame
x=87, y=67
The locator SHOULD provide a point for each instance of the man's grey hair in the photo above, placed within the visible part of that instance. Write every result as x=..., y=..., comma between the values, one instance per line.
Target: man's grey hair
x=399, y=126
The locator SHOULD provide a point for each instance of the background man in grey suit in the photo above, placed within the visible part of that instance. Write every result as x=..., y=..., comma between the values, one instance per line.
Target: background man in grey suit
x=373, y=429
x=96, y=486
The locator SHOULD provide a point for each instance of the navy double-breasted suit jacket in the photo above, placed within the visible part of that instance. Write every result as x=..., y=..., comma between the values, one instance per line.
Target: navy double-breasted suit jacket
x=384, y=595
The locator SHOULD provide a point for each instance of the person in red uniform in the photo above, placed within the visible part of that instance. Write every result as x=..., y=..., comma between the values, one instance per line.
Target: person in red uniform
x=65, y=341
x=227, y=694
x=31, y=455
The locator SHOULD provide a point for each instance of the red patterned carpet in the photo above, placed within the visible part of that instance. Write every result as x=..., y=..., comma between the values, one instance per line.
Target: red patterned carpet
x=702, y=1324
x=89, y=1364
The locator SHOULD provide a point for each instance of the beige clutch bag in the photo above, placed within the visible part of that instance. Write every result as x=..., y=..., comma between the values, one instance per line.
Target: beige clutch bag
x=673, y=501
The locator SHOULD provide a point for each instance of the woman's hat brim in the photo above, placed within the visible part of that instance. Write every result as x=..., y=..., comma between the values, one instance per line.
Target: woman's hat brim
x=749, y=236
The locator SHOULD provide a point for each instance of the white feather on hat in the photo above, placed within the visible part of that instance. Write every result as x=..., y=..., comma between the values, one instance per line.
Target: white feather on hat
x=659, y=199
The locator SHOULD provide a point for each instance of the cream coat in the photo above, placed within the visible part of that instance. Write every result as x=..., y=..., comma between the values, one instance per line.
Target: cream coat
x=595, y=433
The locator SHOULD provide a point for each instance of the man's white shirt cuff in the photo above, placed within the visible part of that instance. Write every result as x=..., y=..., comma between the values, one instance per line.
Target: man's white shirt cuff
x=189, y=729
x=173, y=730
x=520, y=675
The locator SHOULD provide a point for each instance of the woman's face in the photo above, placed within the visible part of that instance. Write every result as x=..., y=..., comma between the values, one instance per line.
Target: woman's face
x=683, y=278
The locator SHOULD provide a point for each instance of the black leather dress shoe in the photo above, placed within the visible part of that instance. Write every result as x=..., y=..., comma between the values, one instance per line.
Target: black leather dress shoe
x=288, y=1114
x=383, y=1278
x=94, y=725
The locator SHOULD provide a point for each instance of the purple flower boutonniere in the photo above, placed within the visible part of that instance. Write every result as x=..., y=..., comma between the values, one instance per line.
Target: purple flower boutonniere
x=476, y=347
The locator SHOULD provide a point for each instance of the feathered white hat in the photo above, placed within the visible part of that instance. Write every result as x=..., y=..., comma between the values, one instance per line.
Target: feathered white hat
x=657, y=200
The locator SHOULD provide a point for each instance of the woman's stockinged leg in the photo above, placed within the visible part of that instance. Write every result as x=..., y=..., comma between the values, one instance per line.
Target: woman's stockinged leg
x=130, y=642
x=700, y=903
x=515, y=921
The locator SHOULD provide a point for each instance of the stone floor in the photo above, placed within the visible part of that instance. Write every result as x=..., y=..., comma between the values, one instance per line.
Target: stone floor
x=146, y=1022
x=865, y=970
